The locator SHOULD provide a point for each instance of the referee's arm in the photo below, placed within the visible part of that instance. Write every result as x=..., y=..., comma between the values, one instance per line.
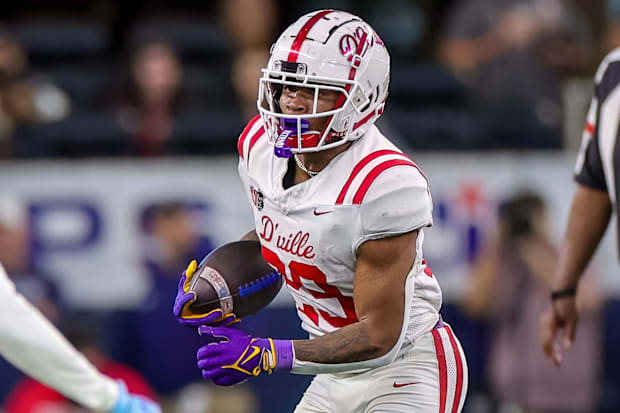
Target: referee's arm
x=590, y=211
x=588, y=219
x=589, y=216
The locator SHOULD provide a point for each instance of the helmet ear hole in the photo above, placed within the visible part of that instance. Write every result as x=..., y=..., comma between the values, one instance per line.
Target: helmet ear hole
x=372, y=99
x=366, y=106
x=359, y=100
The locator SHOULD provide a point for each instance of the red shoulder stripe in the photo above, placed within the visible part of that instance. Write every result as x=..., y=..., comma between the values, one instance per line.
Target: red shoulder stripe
x=255, y=137
x=303, y=33
x=376, y=171
x=360, y=165
x=245, y=133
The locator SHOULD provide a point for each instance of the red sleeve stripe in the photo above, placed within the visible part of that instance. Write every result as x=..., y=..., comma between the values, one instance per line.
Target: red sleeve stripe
x=303, y=33
x=255, y=138
x=374, y=173
x=443, y=371
x=244, y=135
x=361, y=164
x=590, y=128
x=459, y=371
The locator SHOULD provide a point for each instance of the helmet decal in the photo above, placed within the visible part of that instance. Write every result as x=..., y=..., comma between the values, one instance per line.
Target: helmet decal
x=354, y=45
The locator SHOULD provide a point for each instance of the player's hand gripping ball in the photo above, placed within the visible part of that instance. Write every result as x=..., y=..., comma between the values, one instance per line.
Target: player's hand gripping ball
x=233, y=281
x=185, y=298
x=233, y=356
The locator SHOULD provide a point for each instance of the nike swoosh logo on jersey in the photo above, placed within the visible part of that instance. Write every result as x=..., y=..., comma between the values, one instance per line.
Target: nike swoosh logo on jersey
x=317, y=212
x=404, y=384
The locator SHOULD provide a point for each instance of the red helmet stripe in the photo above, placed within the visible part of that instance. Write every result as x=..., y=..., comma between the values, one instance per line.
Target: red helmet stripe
x=303, y=33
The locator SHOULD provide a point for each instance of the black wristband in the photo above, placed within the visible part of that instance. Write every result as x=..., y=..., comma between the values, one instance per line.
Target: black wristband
x=566, y=292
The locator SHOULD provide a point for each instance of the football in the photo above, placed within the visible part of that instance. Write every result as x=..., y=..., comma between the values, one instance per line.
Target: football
x=235, y=278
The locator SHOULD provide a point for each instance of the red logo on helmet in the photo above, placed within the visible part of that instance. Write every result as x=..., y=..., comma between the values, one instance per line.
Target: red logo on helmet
x=355, y=46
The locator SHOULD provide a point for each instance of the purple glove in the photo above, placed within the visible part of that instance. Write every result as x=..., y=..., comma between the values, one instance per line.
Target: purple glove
x=185, y=298
x=235, y=356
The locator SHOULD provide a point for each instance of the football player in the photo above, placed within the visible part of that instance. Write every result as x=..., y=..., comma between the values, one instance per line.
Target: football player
x=340, y=212
x=32, y=344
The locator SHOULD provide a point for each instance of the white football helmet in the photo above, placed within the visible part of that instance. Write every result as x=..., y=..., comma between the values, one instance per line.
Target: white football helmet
x=326, y=49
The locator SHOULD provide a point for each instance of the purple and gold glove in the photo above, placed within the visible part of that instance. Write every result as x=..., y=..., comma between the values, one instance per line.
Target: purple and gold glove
x=185, y=298
x=236, y=356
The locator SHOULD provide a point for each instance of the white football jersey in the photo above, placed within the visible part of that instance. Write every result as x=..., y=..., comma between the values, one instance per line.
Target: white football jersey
x=310, y=232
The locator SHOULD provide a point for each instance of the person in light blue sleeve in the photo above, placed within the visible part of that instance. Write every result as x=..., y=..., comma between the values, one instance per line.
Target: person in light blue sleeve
x=30, y=342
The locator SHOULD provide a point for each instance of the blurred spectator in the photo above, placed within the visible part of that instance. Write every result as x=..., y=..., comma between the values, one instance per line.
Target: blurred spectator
x=252, y=24
x=512, y=55
x=30, y=396
x=26, y=97
x=251, y=32
x=143, y=336
x=37, y=286
x=154, y=96
x=175, y=233
x=612, y=32
x=510, y=286
x=246, y=71
x=150, y=339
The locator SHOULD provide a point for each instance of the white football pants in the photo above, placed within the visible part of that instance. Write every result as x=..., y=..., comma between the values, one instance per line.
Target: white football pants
x=429, y=378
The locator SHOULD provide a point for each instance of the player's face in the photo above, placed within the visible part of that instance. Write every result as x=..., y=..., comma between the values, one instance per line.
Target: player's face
x=299, y=100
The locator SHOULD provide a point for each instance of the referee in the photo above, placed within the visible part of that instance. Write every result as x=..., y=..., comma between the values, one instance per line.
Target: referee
x=596, y=173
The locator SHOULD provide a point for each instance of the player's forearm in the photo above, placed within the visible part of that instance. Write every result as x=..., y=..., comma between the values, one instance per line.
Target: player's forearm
x=353, y=343
x=589, y=217
x=33, y=345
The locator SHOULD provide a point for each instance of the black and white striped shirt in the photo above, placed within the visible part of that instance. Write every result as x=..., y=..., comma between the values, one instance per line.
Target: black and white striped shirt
x=598, y=163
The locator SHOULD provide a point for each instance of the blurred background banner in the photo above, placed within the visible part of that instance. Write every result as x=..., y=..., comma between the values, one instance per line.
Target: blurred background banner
x=89, y=219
